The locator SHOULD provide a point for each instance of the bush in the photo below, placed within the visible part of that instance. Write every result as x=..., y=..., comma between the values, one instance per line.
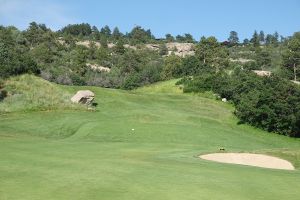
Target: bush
x=76, y=79
x=270, y=103
x=131, y=82
x=3, y=94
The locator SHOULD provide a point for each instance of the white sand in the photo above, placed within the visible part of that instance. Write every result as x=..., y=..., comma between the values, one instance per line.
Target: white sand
x=257, y=160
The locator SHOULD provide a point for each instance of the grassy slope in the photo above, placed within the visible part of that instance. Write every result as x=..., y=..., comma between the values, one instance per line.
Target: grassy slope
x=96, y=155
x=28, y=93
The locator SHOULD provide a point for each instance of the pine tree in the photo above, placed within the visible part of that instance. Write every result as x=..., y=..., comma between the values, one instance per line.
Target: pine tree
x=233, y=38
x=255, y=39
x=262, y=37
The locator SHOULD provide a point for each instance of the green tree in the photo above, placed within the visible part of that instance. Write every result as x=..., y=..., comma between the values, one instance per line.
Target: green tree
x=276, y=37
x=269, y=39
x=103, y=57
x=140, y=35
x=95, y=33
x=116, y=34
x=163, y=50
x=170, y=38
x=192, y=66
x=92, y=50
x=188, y=38
x=263, y=58
x=83, y=29
x=119, y=48
x=104, y=42
x=233, y=38
x=291, y=57
x=261, y=36
x=106, y=31
x=37, y=33
x=185, y=38
x=246, y=41
x=180, y=38
x=172, y=67
x=210, y=52
x=14, y=58
x=255, y=39
x=69, y=40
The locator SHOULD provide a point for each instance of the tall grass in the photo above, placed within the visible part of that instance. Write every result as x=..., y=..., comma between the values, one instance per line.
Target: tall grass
x=28, y=93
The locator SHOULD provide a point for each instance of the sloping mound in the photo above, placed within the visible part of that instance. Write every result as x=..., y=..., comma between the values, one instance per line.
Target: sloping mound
x=257, y=160
x=28, y=92
x=165, y=87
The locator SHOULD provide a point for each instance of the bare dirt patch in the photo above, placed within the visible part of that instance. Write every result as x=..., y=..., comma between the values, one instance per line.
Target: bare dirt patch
x=258, y=160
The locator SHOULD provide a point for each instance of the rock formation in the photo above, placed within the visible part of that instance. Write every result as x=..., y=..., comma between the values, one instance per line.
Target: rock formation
x=83, y=97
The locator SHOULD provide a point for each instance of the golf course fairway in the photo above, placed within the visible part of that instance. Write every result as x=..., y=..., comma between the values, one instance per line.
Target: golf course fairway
x=140, y=145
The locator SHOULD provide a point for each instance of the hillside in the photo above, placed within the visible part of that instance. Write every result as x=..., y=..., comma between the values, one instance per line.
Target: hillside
x=141, y=144
x=28, y=93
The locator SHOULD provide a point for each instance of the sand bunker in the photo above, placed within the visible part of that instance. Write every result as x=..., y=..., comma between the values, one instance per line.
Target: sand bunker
x=257, y=160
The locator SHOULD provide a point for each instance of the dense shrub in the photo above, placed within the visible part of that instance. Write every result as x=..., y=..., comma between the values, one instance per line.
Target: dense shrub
x=270, y=103
x=3, y=92
x=83, y=29
x=14, y=58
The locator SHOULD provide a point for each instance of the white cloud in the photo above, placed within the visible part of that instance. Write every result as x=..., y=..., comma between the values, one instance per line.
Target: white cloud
x=20, y=13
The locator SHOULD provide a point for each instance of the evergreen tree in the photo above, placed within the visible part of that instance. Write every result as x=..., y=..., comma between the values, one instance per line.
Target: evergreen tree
x=246, y=41
x=95, y=33
x=163, y=50
x=261, y=37
x=263, y=58
x=119, y=48
x=210, y=52
x=83, y=29
x=291, y=57
x=275, y=38
x=269, y=39
x=106, y=31
x=233, y=38
x=116, y=34
x=169, y=38
x=188, y=38
x=255, y=39
x=140, y=35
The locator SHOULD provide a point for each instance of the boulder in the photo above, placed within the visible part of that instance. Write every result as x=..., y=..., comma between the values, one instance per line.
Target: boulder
x=262, y=73
x=224, y=99
x=181, y=49
x=84, y=97
x=99, y=68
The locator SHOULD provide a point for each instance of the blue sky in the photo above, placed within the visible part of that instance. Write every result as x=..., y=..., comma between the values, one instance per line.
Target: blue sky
x=198, y=17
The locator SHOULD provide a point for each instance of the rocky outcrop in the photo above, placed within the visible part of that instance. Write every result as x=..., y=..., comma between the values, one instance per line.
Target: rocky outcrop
x=127, y=46
x=87, y=43
x=262, y=73
x=181, y=49
x=83, y=97
x=241, y=60
x=98, y=68
x=154, y=47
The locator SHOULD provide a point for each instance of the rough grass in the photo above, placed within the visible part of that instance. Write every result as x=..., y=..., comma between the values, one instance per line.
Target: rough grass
x=28, y=93
x=67, y=154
